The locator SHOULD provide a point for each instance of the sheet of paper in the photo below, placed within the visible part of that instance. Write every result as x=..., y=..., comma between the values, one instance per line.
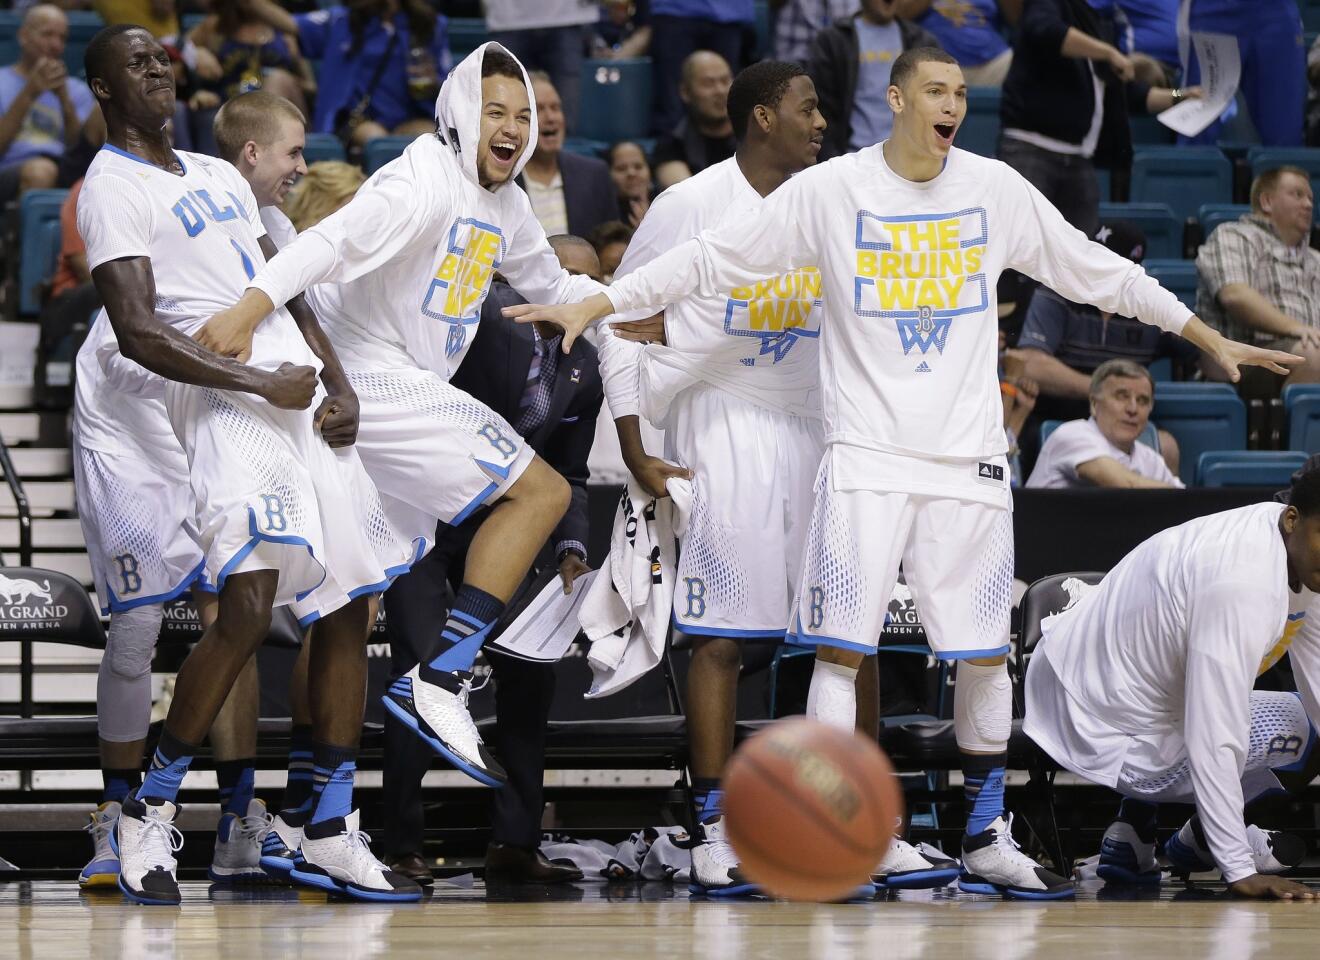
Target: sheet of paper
x=548, y=625
x=1221, y=69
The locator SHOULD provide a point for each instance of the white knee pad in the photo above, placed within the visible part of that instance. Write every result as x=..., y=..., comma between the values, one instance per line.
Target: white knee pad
x=982, y=708
x=123, y=682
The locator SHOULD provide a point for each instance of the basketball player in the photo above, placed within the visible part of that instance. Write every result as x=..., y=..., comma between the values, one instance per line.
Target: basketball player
x=1145, y=683
x=743, y=364
x=413, y=254
x=910, y=237
x=284, y=512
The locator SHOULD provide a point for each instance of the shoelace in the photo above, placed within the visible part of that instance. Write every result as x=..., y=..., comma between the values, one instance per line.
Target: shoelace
x=100, y=830
x=254, y=827
x=1009, y=847
x=466, y=689
x=722, y=853
x=359, y=845
x=160, y=840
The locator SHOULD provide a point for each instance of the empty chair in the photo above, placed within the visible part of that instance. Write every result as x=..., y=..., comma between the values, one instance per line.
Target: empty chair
x=381, y=150
x=1247, y=468
x=1177, y=276
x=83, y=25
x=9, y=21
x=616, y=100
x=1200, y=421
x=1268, y=158
x=322, y=146
x=1304, y=424
x=979, y=132
x=1182, y=177
x=465, y=35
x=1296, y=391
x=1212, y=215
x=1157, y=221
x=38, y=245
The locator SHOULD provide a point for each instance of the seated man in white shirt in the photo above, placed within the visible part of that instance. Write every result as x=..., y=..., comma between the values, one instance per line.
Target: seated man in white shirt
x=1105, y=451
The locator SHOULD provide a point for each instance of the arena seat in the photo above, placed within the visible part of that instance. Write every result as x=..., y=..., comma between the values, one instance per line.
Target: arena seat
x=1267, y=158
x=39, y=245
x=465, y=35
x=381, y=150
x=1150, y=436
x=83, y=25
x=1212, y=215
x=584, y=147
x=1177, y=276
x=615, y=102
x=979, y=132
x=1201, y=416
x=1162, y=227
x=9, y=23
x=322, y=146
x=1182, y=177
x=1303, y=416
x=1147, y=131
x=1247, y=468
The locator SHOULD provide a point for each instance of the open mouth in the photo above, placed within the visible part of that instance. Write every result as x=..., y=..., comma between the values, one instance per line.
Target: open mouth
x=503, y=152
x=945, y=131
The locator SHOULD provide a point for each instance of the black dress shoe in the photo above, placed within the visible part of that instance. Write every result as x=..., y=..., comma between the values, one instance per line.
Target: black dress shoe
x=412, y=866
x=509, y=864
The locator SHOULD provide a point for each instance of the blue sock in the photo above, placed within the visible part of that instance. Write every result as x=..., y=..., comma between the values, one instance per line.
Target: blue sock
x=117, y=784
x=707, y=800
x=332, y=781
x=1141, y=816
x=168, y=767
x=235, y=778
x=470, y=618
x=298, y=786
x=983, y=786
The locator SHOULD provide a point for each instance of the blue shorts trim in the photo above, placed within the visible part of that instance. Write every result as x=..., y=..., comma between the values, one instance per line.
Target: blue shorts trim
x=690, y=630
x=118, y=606
x=1300, y=762
x=258, y=537
x=972, y=654
x=820, y=640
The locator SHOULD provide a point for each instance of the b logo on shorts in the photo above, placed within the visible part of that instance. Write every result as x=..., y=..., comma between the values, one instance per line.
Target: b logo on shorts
x=498, y=440
x=816, y=608
x=696, y=598
x=1291, y=744
x=275, y=520
x=128, y=572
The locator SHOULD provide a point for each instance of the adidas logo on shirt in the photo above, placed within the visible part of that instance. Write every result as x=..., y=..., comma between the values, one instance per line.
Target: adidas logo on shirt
x=923, y=367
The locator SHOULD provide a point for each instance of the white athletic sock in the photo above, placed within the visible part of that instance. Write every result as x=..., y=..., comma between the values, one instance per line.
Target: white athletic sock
x=832, y=697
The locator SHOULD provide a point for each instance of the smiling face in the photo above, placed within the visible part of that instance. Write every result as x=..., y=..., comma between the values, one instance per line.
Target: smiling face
x=929, y=107
x=549, y=118
x=799, y=127
x=631, y=173
x=138, y=85
x=43, y=34
x=506, y=123
x=277, y=166
x=1122, y=409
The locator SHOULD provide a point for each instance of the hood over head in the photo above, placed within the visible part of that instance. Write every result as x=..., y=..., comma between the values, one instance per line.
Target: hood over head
x=458, y=113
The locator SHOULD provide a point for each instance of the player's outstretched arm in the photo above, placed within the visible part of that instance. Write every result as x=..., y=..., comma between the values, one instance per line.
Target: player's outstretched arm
x=572, y=318
x=128, y=289
x=1260, y=886
x=1230, y=354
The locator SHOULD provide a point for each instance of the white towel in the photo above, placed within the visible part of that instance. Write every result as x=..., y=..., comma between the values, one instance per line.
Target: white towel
x=625, y=615
x=656, y=853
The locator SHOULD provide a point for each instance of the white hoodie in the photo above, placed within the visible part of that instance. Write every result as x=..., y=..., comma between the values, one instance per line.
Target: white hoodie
x=415, y=250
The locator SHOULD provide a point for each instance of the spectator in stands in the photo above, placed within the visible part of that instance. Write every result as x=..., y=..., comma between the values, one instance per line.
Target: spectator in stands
x=160, y=17
x=679, y=28
x=1062, y=343
x=705, y=136
x=1105, y=450
x=328, y=185
x=623, y=30
x=382, y=64
x=548, y=35
x=1065, y=105
x=252, y=55
x=798, y=21
x=42, y=108
x=632, y=180
x=972, y=30
x=570, y=193
x=67, y=310
x=850, y=63
x=1270, y=47
x=610, y=240
x=1259, y=280
x=1147, y=31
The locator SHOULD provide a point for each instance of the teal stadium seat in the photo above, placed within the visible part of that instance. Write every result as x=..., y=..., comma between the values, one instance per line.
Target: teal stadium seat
x=38, y=244
x=1201, y=417
x=1182, y=177
x=381, y=150
x=1162, y=227
x=979, y=132
x=322, y=146
x=1178, y=276
x=586, y=148
x=465, y=35
x=1212, y=215
x=1247, y=468
x=9, y=21
x=83, y=25
x=616, y=100
x=1301, y=407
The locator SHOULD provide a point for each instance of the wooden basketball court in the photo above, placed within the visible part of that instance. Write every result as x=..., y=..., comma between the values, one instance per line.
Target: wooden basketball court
x=52, y=919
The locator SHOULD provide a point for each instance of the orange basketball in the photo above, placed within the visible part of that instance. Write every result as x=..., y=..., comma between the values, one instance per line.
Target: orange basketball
x=809, y=809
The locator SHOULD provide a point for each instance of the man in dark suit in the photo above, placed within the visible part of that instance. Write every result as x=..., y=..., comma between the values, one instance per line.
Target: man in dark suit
x=552, y=400
x=570, y=193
